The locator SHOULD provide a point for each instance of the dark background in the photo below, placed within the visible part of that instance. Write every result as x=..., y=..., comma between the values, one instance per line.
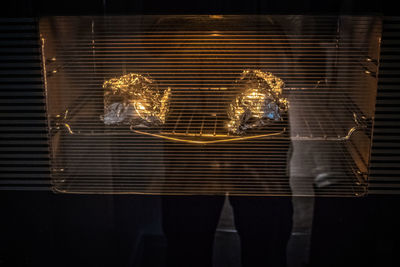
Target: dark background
x=98, y=7
x=40, y=228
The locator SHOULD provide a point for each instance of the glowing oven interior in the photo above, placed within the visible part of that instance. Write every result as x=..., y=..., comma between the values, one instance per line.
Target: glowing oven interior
x=244, y=105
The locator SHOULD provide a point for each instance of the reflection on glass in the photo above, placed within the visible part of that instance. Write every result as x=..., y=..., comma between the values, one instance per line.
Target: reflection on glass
x=194, y=108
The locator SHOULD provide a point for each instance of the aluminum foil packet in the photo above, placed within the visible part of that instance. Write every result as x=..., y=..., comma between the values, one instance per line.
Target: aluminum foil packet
x=259, y=103
x=135, y=100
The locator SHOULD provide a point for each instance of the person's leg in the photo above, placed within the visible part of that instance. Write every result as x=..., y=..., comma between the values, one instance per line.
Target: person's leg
x=189, y=224
x=264, y=225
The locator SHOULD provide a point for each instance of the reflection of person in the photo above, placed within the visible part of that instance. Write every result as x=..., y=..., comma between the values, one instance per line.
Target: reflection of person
x=348, y=223
x=239, y=167
x=208, y=171
x=263, y=223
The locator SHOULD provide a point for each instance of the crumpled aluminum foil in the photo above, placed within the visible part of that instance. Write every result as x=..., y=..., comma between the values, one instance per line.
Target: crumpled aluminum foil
x=260, y=102
x=136, y=100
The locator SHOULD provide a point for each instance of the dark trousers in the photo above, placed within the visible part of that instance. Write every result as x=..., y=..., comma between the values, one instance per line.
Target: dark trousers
x=263, y=224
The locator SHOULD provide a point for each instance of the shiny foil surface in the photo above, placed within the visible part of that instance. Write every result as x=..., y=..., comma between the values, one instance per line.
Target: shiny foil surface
x=259, y=102
x=136, y=100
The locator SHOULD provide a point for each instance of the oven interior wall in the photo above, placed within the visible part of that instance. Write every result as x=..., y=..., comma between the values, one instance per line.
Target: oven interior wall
x=328, y=64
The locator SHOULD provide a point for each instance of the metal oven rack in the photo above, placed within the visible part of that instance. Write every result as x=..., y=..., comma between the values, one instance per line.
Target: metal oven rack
x=188, y=123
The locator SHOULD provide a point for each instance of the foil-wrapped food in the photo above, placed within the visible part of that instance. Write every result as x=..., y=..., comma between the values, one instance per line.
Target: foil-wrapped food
x=135, y=100
x=259, y=103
